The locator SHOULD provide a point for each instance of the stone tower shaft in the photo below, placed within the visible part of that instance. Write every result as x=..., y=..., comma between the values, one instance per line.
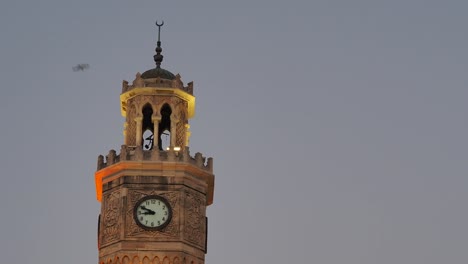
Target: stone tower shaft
x=154, y=164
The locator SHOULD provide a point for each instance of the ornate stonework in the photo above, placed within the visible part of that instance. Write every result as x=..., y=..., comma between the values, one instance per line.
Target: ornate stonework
x=133, y=230
x=179, y=114
x=152, y=259
x=110, y=224
x=131, y=127
x=195, y=226
x=142, y=100
x=180, y=130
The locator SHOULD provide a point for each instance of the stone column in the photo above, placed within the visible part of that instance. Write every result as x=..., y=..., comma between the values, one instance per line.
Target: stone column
x=125, y=133
x=174, y=121
x=138, y=134
x=187, y=134
x=156, y=120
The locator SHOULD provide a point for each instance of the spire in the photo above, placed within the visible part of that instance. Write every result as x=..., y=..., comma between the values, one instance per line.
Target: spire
x=158, y=58
x=158, y=72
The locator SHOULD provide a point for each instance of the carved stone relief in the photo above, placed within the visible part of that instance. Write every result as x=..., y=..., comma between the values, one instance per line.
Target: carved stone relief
x=142, y=100
x=151, y=259
x=133, y=230
x=195, y=228
x=165, y=100
x=146, y=260
x=110, y=222
x=125, y=260
x=131, y=128
x=180, y=135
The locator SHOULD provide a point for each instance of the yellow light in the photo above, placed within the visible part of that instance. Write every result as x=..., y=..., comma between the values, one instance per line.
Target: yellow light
x=176, y=148
x=159, y=91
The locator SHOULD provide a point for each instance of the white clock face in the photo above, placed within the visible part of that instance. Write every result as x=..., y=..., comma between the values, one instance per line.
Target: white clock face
x=152, y=212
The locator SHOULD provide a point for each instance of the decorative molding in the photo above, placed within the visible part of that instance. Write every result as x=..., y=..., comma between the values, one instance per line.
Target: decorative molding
x=158, y=82
x=152, y=259
x=133, y=154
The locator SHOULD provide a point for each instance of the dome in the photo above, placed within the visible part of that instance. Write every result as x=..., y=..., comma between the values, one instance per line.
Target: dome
x=158, y=73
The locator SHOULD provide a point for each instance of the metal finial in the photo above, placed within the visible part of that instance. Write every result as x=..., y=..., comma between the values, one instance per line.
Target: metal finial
x=159, y=28
x=158, y=58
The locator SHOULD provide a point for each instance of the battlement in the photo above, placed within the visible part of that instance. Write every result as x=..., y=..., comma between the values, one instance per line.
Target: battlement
x=133, y=153
x=157, y=83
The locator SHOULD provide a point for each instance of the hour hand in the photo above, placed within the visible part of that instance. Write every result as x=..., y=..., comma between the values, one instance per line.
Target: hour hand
x=148, y=211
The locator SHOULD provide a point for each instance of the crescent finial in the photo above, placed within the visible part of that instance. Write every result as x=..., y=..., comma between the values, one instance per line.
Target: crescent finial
x=159, y=28
x=159, y=25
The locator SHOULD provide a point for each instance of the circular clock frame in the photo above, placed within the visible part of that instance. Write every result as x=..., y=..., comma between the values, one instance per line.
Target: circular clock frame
x=151, y=197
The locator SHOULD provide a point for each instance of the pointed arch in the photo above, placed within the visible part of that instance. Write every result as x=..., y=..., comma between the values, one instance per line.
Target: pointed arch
x=147, y=126
x=164, y=126
x=166, y=260
x=146, y=260
x=125, y=260
x=156, y=260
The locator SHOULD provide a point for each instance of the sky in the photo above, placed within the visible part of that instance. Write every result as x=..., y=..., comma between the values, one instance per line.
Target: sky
x=338, y=128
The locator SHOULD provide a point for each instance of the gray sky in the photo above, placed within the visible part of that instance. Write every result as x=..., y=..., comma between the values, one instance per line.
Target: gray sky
x=338, y=128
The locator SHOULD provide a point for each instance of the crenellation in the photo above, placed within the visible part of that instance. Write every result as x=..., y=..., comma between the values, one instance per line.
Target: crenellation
x=110, y=159
x=123, y=152
x=199, y=159
x=186, y=154
x=155, y=155
x=209, y=164
x=157, y=83
x=171, y=155
x=138, y=153
x=133, y=153
x=100, y=162
x=124, y=86
x=189, y=88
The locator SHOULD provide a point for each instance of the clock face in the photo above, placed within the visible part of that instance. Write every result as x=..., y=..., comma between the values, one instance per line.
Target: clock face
x=152, y=212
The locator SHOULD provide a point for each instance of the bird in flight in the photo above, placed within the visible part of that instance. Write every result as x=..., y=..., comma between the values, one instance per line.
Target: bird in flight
x=80, y=67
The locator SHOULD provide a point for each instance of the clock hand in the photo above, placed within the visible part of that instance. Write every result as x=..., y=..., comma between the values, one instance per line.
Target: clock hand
x=151, y=212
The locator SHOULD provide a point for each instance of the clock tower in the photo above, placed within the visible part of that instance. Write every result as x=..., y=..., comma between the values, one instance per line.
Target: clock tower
x=154, y=193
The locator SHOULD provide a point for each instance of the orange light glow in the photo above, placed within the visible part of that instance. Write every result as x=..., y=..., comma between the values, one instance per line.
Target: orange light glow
x=119, y=169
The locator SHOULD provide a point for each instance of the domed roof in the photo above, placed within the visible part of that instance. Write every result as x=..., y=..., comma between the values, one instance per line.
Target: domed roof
x=158, y=73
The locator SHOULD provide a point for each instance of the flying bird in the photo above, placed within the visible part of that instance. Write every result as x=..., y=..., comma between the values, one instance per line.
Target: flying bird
x=80, y=67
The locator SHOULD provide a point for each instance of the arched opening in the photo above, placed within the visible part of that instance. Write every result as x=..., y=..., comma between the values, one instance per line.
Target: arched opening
x=147, y=127
x=148, y=139
x=164, y=133
x=165, y=140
